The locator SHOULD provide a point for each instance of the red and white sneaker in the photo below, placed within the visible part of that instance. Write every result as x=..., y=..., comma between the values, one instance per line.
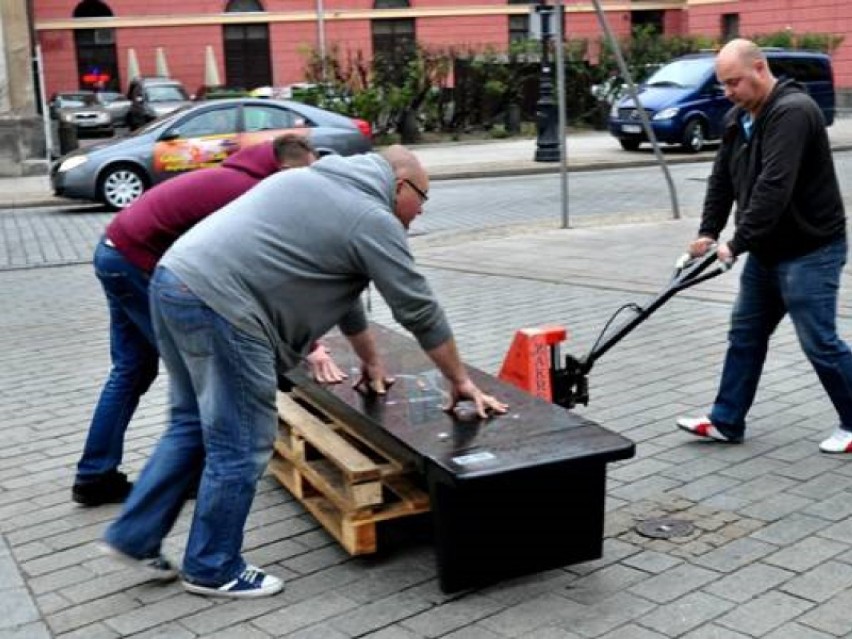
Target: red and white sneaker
x=703, y=427
x=839, y=442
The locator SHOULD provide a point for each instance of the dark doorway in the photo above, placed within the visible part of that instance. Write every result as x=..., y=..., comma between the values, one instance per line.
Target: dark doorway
x=247, y=62
x=97, y=62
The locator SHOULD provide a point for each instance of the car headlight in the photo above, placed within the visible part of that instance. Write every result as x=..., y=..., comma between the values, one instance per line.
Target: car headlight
x=666, y=114
x=66, y=117
x=613, y=112
x=73, y=163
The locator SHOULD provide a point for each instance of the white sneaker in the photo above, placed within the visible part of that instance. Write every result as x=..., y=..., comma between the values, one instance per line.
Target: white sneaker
x=703, y=427
x=839, y=442
x=251, y=582
x=155, y=568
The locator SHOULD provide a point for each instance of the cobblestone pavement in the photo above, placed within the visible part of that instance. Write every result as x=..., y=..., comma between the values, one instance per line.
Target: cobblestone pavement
x=769, y=556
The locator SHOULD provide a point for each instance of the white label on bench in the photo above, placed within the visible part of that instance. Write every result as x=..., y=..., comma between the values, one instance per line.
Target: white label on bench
x=473, y=458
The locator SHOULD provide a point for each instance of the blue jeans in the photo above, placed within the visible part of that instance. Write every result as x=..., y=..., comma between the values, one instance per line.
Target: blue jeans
x=134, y=362
x=222, y=385
x=806, y=288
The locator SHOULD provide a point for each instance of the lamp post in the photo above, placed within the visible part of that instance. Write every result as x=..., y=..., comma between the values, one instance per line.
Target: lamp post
x=321, y=38
x=547, y=122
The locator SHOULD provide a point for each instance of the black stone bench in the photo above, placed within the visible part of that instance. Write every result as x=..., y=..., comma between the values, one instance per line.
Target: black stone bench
x=510, y=495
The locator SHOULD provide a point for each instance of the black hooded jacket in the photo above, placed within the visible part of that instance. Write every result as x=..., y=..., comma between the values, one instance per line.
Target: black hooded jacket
x=782, y=180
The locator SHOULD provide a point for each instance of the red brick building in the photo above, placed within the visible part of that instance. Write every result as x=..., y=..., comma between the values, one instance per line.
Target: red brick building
x=262, y=42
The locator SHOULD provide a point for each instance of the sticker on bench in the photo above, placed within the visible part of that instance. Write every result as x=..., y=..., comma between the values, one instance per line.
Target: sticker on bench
x=473, y=458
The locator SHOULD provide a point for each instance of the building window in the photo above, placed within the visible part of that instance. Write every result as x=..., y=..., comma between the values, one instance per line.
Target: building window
x=247, y=61
x=519, y=28
x=97, y=62
x=394, y=44
x=243, y=6
x=730, y=26
x=519, y=25
x=394, y=40
x=651, y=20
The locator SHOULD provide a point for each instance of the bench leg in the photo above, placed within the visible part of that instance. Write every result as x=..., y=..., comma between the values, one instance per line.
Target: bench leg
x=517, y=523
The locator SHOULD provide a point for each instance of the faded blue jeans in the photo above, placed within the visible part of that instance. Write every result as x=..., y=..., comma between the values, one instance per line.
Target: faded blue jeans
x=134, y=361
x=806, y=288
x=222, y=385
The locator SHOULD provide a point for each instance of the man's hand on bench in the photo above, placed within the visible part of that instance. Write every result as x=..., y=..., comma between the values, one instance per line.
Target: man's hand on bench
x=484, y=403
x=373, y=379
x=323, y=368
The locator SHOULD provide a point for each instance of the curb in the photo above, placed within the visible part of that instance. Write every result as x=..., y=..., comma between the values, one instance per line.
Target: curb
x=554, y=167
x=447, y=174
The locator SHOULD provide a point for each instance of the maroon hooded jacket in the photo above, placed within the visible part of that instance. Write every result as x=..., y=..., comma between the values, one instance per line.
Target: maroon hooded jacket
x=147, y=228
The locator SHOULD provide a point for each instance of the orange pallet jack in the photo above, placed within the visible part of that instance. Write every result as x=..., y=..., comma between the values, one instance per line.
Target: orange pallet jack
x=533, y=360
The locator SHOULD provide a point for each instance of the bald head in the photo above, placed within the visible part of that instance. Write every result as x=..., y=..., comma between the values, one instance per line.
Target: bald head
x=740, y=50
x=403, y=162
x=412, y=183
x=743, y=71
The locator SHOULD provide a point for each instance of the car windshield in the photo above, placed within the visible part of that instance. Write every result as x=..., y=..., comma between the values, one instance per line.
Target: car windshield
x=75, y=100
x=166, y=93
x=106, y=97
x=681, y=74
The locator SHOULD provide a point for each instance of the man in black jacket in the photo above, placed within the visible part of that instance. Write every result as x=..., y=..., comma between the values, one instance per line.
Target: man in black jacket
x=775, y=164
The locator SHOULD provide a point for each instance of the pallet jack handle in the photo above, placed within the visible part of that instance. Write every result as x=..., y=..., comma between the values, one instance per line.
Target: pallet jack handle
x=570, y=384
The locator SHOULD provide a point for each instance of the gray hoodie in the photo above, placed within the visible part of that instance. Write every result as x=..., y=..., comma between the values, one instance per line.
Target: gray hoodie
x=289, y=259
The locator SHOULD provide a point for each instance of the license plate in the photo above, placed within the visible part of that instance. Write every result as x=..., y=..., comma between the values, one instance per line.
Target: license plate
x=631, y=128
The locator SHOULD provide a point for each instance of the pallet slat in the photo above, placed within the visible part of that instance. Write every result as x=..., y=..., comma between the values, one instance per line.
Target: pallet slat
x=348, y=484
x=352, y=462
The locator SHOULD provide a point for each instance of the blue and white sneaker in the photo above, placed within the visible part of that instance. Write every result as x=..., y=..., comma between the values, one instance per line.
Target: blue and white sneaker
x=155, y=568
x=251, y=582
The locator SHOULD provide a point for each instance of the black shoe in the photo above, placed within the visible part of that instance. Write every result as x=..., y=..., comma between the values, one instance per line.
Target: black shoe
x=109, y=488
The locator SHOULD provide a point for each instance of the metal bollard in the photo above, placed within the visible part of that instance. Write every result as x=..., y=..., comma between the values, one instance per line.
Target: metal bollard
x=67, y=137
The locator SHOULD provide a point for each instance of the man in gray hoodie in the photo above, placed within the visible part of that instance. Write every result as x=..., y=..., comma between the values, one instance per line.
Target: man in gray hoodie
x=241, y=293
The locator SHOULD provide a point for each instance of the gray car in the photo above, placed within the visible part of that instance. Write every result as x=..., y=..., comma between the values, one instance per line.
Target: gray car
x=116, y=103
x=154, y=97
x=82, y=109
x=118, y=172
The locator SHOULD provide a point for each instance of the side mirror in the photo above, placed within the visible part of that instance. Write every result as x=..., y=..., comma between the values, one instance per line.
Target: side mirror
x=171, y=134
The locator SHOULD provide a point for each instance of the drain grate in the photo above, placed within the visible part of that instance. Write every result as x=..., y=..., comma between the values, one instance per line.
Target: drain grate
x=664, y=528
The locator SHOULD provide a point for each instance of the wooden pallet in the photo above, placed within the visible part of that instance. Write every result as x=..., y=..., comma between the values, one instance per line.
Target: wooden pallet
x=347, y=482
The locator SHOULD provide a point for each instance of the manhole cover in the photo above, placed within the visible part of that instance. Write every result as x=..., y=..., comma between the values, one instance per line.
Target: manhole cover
x=664, y=528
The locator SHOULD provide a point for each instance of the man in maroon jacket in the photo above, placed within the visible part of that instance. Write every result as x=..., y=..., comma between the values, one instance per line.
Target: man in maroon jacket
x=134, y=242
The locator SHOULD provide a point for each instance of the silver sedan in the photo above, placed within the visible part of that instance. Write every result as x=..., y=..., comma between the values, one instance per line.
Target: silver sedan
x=118, y=172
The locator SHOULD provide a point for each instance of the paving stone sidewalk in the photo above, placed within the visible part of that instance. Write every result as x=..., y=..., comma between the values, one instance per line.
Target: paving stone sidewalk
x=769, y=556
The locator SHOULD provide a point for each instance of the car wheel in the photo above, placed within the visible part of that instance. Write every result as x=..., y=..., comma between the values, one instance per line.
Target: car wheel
x=630, y=144
x=694, y=136
x=121, y=185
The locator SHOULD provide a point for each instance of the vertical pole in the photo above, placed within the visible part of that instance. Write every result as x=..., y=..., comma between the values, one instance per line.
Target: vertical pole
x=560, y=102
x=45, y=112
x=321, y=38
x=546, y=143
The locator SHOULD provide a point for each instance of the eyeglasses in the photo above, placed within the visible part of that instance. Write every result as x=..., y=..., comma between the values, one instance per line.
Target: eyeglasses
x=424, y=197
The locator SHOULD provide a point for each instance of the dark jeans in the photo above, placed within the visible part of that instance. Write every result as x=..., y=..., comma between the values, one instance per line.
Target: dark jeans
x=222, y=416
x=134, y=361
x=806, y=288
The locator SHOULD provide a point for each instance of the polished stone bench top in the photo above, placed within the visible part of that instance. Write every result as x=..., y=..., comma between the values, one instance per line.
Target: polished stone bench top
x=410, y=422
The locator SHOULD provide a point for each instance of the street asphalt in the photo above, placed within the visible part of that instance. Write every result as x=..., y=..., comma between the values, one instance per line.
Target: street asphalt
x=770, y=554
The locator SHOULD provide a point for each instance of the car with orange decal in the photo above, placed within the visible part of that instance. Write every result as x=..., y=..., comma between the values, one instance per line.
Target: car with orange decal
x=201, y=135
